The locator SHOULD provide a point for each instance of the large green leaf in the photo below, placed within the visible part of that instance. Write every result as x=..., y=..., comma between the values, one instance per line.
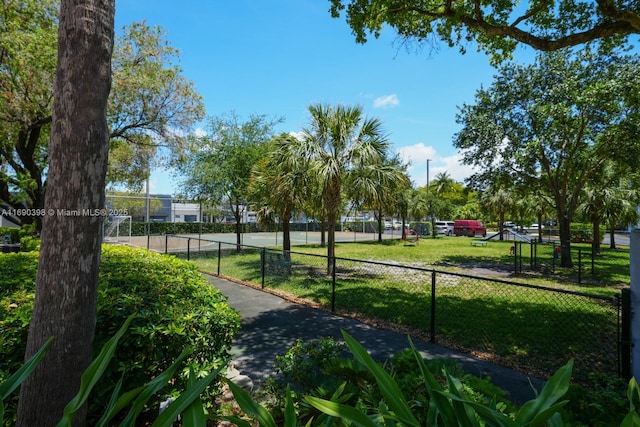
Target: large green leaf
x=150, y=389
x=13, y=382
x=534, y=412
x=193, y=416
x=250, y=407
x=186, y=398
x=342, y=411
x=388, y=387
x=92, y=374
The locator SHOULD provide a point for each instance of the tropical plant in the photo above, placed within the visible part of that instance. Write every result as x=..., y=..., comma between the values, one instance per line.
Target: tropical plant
x=448, y=404
x=339, y=143
x=128, y=405
x=279, y=183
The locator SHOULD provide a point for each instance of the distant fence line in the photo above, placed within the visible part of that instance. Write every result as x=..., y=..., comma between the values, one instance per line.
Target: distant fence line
x=533, y=328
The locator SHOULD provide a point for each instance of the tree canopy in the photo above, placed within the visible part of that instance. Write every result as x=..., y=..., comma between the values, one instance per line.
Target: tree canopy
x=497, y=27
x=550, y=127
x=151, y=104
x=218, y=168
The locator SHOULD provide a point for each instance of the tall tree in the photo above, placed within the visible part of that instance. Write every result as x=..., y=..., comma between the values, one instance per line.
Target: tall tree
x=610, y=197
x=552, y=125
x=496, y=27
x=28, y=37
x=218, y=169
x=338, y=142
x=152, y=107
x=67, y=278
x=498, y=201
x=379, y=187
x=151, y=104
x=278, y=183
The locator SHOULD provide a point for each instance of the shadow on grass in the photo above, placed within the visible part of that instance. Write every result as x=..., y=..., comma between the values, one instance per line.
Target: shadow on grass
x=529, y=329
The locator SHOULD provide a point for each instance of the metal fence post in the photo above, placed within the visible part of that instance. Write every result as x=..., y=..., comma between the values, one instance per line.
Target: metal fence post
x=188, y=249
x=262, y=263
x=625, y=334
x=166, y=243
x=219, y=256
x=333, y=286
x=433, y=306
x=579, y=265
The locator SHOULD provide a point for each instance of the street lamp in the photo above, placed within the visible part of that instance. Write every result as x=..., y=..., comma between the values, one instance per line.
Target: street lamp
x=433, y=230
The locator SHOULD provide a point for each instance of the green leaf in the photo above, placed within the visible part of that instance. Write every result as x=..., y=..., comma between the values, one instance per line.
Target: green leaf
x=193, y=416
x=10, y=384
x=250, y=407
x=290, y=419
x=390, y=390
x=340, y=410
x=153, y=387
x=185, y=399
x=92, y=374
x=117, y=404
x=438, y=403
x=534, y=411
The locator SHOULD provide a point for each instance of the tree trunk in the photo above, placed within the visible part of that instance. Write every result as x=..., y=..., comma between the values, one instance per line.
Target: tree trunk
x=612, y=238
x=67, y=278
x=286, y=236
x=332, y=202
x=595, y=245
x=565, y=241
x=380, y=227
x=323, y=236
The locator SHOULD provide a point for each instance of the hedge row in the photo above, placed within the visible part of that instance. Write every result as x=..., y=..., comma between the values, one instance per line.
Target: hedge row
x=176, y=306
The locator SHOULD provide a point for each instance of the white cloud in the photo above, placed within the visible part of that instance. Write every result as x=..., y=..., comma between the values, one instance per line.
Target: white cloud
x=387, y=101
x=416, y=156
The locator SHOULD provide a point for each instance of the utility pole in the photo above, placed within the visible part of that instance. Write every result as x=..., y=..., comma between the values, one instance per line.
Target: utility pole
x=433, y=225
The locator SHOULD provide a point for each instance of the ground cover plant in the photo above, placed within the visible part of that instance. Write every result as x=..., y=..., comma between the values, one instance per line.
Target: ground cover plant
x=169, y=295
x=380, y=395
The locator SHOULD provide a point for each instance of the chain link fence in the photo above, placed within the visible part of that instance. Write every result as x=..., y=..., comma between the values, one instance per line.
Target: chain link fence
x=531, y=328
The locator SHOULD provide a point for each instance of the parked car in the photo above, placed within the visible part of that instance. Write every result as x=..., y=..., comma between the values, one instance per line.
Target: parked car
x=387, y=225
x=533, y=228
x=469, y=227
x=445, y=227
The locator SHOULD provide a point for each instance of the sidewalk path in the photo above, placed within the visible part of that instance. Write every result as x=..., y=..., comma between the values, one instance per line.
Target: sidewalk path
x=270, y=325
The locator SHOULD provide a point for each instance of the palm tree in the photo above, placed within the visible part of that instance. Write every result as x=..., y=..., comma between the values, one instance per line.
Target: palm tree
x=339, y=142
x=442, y=183
x=379, y=186
x=277, y=181
x=497, y=201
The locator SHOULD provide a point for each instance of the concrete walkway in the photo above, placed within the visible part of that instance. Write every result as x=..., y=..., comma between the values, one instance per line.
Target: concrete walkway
x=270, y=325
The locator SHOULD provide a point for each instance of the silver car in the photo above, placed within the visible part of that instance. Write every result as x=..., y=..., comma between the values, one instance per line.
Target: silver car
x=444, y=227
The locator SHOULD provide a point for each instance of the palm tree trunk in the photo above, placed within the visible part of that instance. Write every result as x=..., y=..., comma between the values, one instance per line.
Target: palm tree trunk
x=612, y=238
x=286, y=236
x=67, y=278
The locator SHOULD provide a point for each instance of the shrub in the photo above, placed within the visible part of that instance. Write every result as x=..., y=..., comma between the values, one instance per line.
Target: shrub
x=325, y=369
x=12, y=233
x=176, y=309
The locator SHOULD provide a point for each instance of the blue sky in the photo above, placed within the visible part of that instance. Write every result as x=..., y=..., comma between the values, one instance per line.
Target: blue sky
x=277, y=57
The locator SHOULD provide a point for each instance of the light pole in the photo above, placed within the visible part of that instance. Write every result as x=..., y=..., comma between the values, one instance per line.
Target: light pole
x=433, y=229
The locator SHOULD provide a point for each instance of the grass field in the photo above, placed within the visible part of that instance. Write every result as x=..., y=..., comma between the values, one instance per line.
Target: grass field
x=524, y=327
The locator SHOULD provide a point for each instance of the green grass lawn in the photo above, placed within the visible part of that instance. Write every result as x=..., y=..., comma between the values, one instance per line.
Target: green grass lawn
x=520, y=326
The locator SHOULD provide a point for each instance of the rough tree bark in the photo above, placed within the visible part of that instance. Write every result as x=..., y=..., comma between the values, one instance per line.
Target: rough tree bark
x=67, y=278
